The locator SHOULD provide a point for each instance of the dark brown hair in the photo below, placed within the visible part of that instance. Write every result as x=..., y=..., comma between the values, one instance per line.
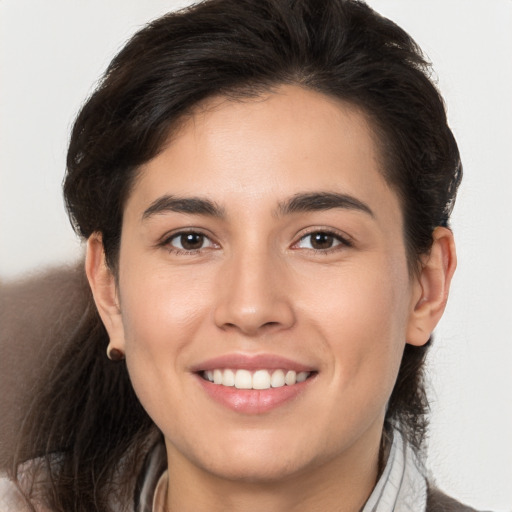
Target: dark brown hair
x=237, y=48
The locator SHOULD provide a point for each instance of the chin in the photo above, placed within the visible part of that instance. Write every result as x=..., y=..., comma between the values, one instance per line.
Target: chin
x=258, y=462
x=256, y=470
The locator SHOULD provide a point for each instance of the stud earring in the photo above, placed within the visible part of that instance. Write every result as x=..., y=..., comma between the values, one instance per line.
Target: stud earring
x=114, y=354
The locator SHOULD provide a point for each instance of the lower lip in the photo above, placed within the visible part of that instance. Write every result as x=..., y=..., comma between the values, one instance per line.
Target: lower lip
x=253, y=401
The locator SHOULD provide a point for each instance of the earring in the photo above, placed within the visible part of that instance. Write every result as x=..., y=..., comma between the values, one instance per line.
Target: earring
x=114, y=354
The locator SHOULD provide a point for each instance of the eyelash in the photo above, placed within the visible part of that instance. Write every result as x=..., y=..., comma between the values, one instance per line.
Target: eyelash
x=176, y=250
x=342, y=242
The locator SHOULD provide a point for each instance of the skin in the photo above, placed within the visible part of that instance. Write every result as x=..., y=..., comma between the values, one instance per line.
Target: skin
x=258, y=285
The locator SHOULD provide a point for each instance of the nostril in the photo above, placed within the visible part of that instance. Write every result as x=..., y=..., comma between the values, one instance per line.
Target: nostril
x=249, y=317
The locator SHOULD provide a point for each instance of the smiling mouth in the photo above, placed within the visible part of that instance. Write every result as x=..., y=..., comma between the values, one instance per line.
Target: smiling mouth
x=259, y=379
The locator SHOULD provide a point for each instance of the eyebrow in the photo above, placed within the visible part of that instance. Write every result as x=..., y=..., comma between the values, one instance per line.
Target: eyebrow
x=318, y=201
x=305, y=202
x=190, y=205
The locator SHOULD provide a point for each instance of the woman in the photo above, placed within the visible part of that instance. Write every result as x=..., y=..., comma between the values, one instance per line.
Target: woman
x=265, y=189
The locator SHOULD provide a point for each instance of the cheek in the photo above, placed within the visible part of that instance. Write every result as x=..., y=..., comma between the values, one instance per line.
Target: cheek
x=162, y=306
x=161, y=313
x=361, y=314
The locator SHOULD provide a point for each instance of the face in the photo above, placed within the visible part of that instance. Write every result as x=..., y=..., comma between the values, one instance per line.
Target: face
x=260, y=248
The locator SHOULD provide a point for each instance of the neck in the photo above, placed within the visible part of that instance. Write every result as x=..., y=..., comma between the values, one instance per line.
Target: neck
x=342, y=484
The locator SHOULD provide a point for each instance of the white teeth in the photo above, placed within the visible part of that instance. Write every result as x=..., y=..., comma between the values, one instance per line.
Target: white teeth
x=243, y=379
x=277, y=379
x=260, y=379
x=228, y=378
x=290, y=378
x=302, y=376
x=217, y=376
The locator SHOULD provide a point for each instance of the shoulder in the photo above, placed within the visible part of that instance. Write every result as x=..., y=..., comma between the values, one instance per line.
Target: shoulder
x=11, y=498
x=23, y=495
x=437, y=501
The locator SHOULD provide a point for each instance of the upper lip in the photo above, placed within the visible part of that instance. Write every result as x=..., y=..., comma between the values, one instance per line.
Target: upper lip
x=251, y=362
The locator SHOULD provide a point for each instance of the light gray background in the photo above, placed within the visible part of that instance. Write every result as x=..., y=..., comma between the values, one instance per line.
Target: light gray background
x=53, y=51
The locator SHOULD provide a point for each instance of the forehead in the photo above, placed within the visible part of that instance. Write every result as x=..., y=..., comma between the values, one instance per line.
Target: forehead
x=288, y=141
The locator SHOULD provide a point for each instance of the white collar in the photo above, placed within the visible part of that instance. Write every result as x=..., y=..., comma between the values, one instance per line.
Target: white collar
x=402, y=486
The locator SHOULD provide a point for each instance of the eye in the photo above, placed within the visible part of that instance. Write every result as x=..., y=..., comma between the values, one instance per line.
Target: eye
x=321, y=241
x=189, y=242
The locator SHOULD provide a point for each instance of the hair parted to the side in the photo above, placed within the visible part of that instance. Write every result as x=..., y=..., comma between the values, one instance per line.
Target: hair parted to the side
x=240, y=49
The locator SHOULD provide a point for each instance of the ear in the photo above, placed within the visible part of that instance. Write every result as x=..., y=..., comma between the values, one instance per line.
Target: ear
x=432, y=287
x=104, y=290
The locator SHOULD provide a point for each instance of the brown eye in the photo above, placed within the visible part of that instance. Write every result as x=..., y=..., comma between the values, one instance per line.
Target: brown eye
x=189, y=241
x=321, y=241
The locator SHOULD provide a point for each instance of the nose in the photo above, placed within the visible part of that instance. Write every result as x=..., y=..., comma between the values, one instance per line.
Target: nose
x=253, y=295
